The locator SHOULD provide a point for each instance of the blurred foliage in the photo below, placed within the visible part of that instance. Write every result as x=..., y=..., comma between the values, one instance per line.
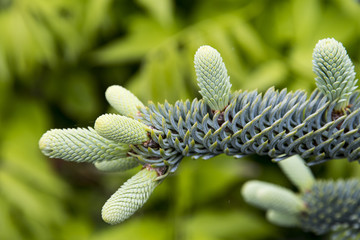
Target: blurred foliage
x=56, y=60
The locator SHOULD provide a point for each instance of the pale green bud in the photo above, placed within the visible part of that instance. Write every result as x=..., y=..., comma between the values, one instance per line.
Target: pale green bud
x=282, y=219
x=80, y=145
x=298, y=173
x=270, y=196
x=121, y=129
x=131, y=196
x=335, y=71
x=212, y=78
x=123, y=100
x=121, y=164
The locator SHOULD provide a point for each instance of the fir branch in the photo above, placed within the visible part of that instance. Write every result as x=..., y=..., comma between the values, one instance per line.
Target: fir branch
x=333, y=206
x=277, y=124
x=330, y=207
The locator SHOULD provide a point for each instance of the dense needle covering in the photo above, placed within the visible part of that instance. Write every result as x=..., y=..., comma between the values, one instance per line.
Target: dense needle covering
x=318, y=127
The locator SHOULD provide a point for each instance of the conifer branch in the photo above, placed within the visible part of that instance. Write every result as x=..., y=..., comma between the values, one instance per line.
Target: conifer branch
x=329, y=207
x=322, y=126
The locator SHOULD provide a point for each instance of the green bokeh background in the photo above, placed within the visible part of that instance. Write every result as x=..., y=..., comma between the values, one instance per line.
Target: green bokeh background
x=58, y=57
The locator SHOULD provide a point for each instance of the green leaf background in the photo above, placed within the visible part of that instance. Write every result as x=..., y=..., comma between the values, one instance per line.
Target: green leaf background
x=58, y=57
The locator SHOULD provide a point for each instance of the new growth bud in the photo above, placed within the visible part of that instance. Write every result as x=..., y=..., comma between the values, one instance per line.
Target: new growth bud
x=131, y=196
x=121, y=164
x=297, y=172
x=282, y=219
x=121, y=129
x=212, y=78
x=335, y=71
x=123, y=100
x=270, y=196
x=80, y=145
